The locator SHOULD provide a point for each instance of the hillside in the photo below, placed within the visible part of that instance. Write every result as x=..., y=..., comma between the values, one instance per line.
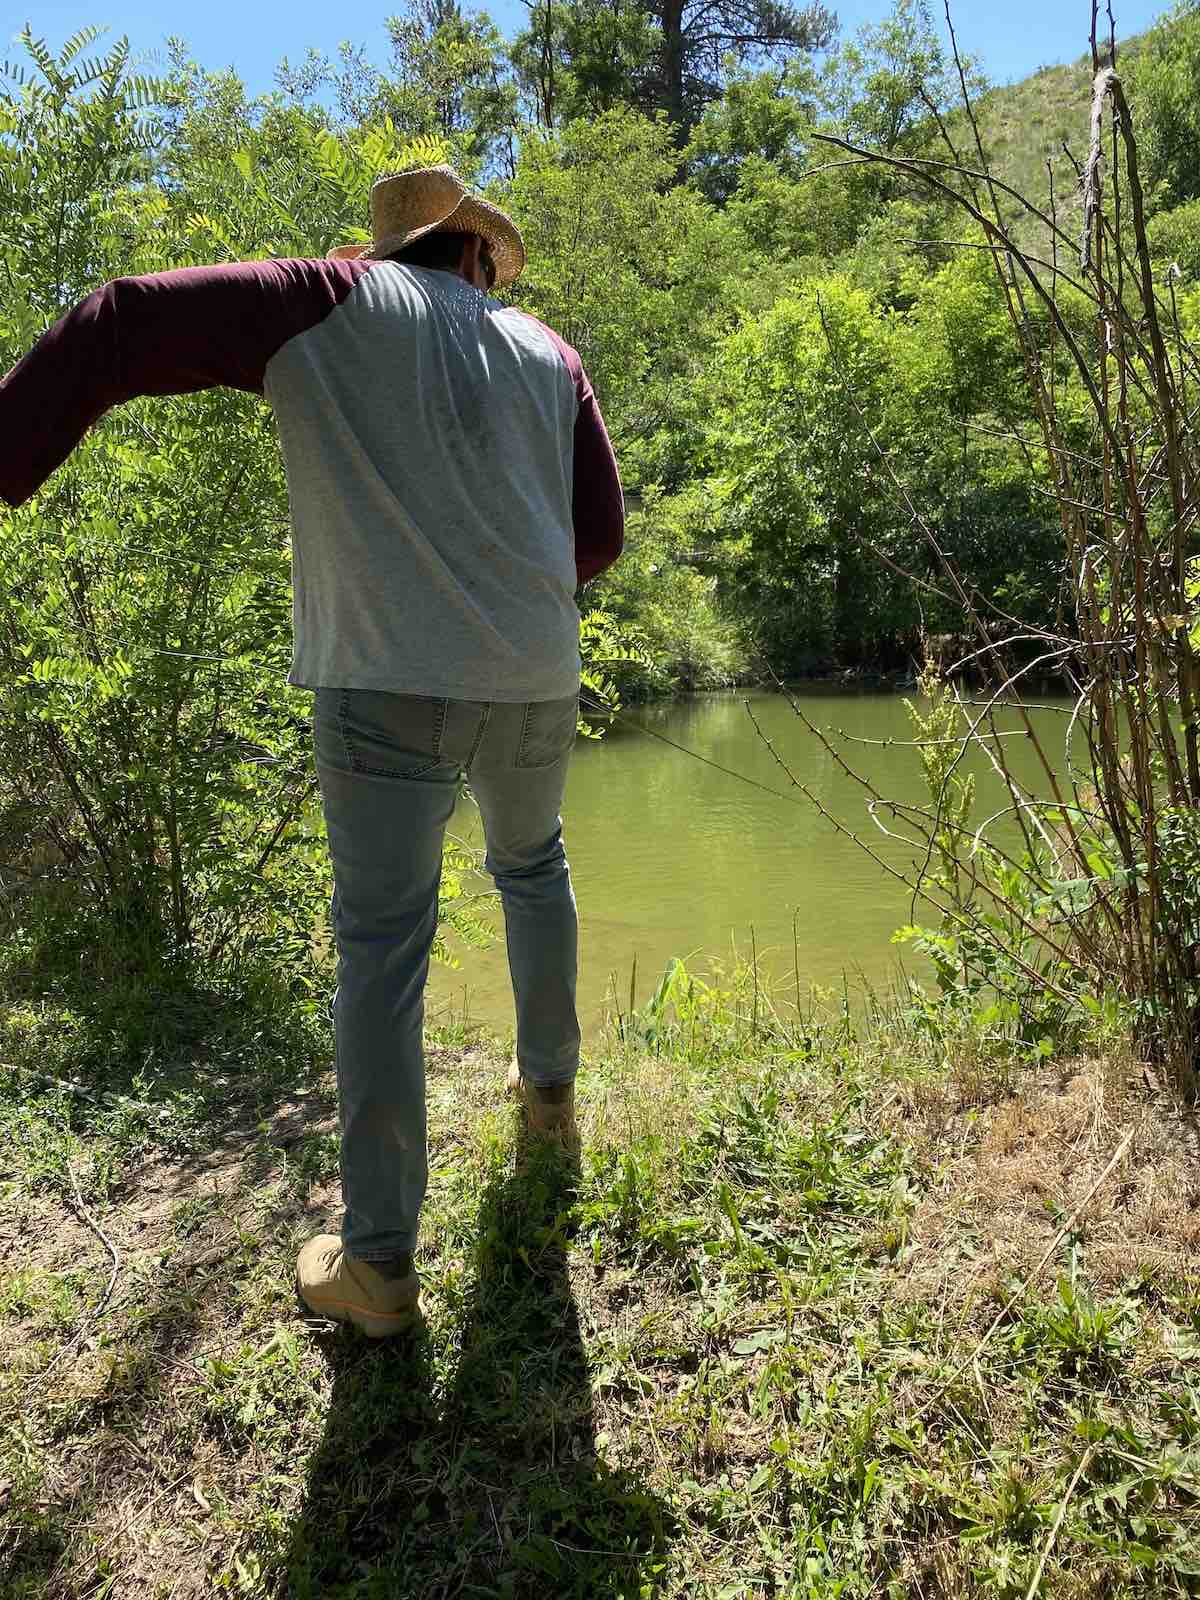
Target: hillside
x=1028, y=128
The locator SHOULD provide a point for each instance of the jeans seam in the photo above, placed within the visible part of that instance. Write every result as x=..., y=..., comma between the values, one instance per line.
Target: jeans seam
x=439, y=726
x=483, y=727
x=389, y=772
x=543, y=766
x=343, y=713
x=520, y=761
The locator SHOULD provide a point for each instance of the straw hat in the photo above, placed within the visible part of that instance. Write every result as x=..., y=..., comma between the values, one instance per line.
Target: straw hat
x=408, y=205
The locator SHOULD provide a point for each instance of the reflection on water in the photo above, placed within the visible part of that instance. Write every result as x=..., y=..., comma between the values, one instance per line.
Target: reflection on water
x=673, y=858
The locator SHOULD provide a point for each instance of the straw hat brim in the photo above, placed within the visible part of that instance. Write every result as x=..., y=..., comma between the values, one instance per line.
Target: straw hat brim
x=470, y=215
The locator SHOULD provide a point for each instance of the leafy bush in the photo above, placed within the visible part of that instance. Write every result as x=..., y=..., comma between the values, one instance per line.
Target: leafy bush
x=664, y=592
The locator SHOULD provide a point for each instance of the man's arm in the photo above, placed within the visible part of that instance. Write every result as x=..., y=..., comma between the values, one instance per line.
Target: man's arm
x=165, y=333
x=597, y=504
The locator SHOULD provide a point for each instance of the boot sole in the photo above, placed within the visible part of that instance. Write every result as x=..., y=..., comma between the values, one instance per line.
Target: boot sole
x=375, y=1324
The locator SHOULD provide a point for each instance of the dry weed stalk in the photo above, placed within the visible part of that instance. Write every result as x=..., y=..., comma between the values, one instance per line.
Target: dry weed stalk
x=1111, y=849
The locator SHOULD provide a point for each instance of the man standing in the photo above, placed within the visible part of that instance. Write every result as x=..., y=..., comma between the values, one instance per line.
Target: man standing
x=451, y=483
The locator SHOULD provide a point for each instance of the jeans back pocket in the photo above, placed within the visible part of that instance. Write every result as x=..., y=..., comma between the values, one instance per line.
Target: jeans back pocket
x=548, y=731
x=387, y=735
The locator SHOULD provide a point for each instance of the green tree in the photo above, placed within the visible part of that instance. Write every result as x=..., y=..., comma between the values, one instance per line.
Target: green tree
x=665, y=593
x=673, y=56
x=1174, y=238
x=801, y=497
x=810, y=220
x=631, y=271
x=884, y=86
x=818, y=399
x=581, y=58
x=761, y=116
x=447, y=78
x=701, y=39
x=77, y=133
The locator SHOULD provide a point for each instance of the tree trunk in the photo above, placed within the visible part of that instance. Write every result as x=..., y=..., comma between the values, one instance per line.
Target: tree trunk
x=673, y=104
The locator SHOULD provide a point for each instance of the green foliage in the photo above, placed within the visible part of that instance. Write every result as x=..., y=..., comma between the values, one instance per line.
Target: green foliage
x=1165, y=92
x=686, y=1016
x=236, y=185
x=76, y=134
x=1006, y=954
x=1174, y=238
x=445, y=81
x=828, y=404
x=582, y=59
x=671, y=59
x=664, y=592
x=159, y=761
x=788, y=439
x=804, y=223
x=883, y=86
x=763, y=115
x=608, y=653
x=630, y=270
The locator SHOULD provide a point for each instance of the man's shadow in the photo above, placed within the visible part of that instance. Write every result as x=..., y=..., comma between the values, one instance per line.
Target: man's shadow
x=494, y=1485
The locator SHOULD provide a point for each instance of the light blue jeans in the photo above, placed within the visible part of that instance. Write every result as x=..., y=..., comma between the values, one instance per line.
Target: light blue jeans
x=390, y=768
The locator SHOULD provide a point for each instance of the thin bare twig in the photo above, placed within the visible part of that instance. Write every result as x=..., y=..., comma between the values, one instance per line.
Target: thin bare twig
x=1058, y=1522
x=93, y=1317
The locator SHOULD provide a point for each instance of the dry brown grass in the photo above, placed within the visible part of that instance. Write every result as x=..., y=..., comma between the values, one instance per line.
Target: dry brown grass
x=1006, y=1176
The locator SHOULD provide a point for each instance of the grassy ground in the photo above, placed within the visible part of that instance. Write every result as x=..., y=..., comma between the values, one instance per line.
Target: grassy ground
x=818, y=1318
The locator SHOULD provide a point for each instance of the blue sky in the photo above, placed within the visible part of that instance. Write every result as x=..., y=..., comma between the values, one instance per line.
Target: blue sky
x=1013, y=37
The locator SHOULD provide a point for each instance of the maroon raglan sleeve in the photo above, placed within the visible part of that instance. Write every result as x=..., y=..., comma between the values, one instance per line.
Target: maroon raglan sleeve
x=597, y=505
x=165, y=333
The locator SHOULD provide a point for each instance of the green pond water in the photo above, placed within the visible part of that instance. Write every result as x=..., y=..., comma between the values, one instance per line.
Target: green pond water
x=671, y=857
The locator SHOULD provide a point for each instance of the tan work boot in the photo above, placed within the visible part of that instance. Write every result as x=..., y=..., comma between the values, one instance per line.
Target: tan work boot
x=331, y=1284
x=550, y=1113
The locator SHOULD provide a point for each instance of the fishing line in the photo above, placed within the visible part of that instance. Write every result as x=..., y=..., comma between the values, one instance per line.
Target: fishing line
x=245, y=666
x=591, y=704
x=118, y=546
x=652, y=733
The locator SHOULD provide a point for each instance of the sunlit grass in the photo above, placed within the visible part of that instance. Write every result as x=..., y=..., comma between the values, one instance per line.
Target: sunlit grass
x=783, y=1333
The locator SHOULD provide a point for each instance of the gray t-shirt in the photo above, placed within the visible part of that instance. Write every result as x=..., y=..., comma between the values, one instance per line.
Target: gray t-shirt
x=428, y=433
